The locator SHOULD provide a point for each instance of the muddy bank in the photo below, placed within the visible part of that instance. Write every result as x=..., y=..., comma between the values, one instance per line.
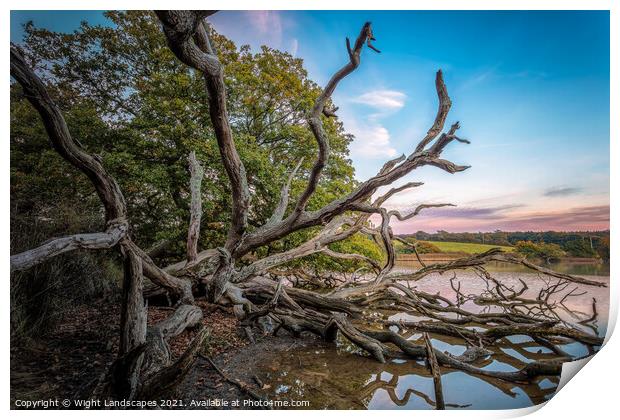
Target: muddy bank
x=67, y=362
x=244, y=364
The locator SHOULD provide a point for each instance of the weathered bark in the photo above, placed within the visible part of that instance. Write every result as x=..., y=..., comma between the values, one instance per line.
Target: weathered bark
x=60, y=137
x=396, y=169
x=316, y=124
x=442, y=113
x=105, y=185
x=133, y=324
x=117, y=229
x=388, y=246
x=61, y=140
x=434, y=367
x=372, y=346
x=178, y=287
x=193, y=232
x=350, y=256
x=278, y=213
x=136, y=350
x=496, y=332
x=298, y=310
x=157, y=352
x=169, y=376
x=190, y=43
x=181, y=28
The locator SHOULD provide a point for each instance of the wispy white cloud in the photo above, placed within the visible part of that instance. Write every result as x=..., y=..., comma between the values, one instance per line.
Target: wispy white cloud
x=562, y=191
x=372, y=138
x=256, y=27
x=371, y=141
x=266, y=22
x=382, y=99
x=294, y=47
x=479, y=78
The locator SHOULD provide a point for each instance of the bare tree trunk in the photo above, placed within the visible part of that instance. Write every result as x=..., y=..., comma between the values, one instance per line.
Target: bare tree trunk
x=114, y=233
x=196, y=174
x=133, y=326
x=127, y=374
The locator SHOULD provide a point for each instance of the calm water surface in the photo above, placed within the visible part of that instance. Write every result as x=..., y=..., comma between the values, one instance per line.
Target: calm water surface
x=337, y=376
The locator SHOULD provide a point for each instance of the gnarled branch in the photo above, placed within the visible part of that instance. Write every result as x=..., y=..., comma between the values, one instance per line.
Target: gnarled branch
x=314, y=120
x=117, y=229
x=180, y=28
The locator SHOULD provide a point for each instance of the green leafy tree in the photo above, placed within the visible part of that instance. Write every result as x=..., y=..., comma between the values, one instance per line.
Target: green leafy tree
x=602, y=248
x=580, y=248
x=540, y=250
x=422, y=247
x=130, y=100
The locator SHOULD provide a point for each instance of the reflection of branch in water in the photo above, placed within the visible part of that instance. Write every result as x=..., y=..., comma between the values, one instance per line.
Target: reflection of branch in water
x=390, y=388
x=434, y=368
x=521, y=348
x=553, y=346
x=590, y=322
x=500, y=311
x=345, y=369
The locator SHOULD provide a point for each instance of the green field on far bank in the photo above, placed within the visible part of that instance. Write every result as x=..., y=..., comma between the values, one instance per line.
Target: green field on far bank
x=468, y=248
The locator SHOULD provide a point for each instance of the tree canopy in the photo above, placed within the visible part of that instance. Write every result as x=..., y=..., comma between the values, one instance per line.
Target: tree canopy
x=128, y=99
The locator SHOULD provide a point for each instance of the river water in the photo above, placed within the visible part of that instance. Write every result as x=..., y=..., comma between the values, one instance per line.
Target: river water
x=338, y=376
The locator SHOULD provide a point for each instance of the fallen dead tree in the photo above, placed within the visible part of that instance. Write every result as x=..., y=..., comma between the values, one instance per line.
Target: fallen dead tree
x=144, y=367
x=144, y=356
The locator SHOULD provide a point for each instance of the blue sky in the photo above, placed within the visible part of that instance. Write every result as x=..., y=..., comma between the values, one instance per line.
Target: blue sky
x=530, y=88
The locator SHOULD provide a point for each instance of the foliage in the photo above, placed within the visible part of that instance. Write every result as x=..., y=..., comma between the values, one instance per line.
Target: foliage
x=580, y=248
x=496, y=238
x=576, y=244
x=422, y=247
x=499, y=237
x=467, y=248
x=128, y=99
x=540, y=250
x=602, y=248
x=427, y=247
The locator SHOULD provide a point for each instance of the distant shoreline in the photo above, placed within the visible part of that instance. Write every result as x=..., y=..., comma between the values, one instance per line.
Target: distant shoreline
x=451, y=256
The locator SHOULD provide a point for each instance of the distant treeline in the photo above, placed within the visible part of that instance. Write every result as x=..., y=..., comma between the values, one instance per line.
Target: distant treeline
x=575, y=244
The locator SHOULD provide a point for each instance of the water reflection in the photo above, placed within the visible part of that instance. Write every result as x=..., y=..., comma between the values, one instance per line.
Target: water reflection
x=336, y=377
x=333, y=378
